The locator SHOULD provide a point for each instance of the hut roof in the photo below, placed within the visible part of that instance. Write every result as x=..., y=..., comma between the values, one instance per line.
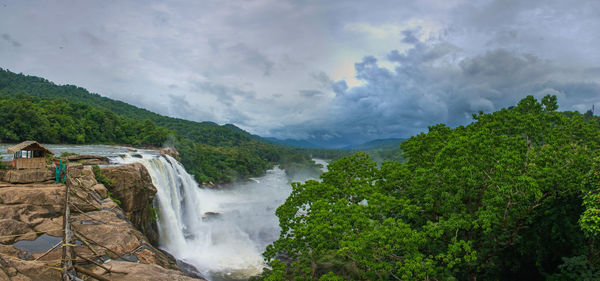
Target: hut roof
x=27, y=145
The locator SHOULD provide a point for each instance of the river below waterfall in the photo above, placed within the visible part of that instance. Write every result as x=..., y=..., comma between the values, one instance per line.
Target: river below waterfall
x=221, y=232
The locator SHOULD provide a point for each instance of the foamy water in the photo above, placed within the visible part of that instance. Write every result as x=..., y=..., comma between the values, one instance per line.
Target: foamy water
x=221, y=232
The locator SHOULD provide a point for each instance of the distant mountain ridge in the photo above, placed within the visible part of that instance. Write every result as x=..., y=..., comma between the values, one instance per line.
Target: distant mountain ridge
x=389, y=143
x=294, y=142
x=13, y=84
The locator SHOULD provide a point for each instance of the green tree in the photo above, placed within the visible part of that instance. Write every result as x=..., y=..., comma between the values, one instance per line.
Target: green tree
x=499, y=199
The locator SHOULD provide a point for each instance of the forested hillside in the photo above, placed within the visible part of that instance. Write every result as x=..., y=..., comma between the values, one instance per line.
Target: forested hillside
x=512, y=196
x=59, y=121
x=13, y=85
x=387, y=152
x=34, y=108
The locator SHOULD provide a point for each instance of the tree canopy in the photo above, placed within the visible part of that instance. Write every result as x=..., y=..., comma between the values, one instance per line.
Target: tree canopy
x=512, y=196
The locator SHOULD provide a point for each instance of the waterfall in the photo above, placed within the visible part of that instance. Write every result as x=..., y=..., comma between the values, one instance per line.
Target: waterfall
x=220, y=232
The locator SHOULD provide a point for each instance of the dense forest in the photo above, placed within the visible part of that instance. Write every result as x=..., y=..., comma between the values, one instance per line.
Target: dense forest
x=32, y=108
x=377, y=153
x=513, y=196
x=60, y=121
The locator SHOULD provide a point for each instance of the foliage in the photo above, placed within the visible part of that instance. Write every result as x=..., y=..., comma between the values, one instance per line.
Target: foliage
x=49, y=158
x=379, y=154
x=587, y=266
x=499, y=199
x=66, y=153
x=325, y=153
x=246, y=159
x=61, y=121
x=590, y=219
x=2, y=165
x=101, y=178
x=299, y=165
x=153, y=214
x=114, y=199
x=577, y=268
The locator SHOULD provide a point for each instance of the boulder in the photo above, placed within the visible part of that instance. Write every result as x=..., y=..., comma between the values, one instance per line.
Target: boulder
x=33, y=215
x=88, y=159
x=4, y=276
x=92, y=162
x=34, y=194
x=169, y=151
x=75, y=170
x=88, y=172
x=108, y=229
x=140, y=271
x=22, y=270
x=9, y=229
x=210, y=216
x=101, y=190
x=49, y=196
x=132, y=186
x=30, y=175
x=81, y=176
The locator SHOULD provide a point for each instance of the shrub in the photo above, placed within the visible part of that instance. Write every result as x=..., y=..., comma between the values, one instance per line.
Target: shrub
x=101, y=178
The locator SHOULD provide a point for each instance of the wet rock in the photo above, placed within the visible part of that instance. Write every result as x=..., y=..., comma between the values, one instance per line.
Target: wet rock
x=88, y=159
x=132, y=186
x=189, y=269
x=210, y=216
x=169, y=151
x=38, y=245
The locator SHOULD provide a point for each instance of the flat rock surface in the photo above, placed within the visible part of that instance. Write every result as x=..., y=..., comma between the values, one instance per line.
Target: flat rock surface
x=29, y=175
x=85, y=157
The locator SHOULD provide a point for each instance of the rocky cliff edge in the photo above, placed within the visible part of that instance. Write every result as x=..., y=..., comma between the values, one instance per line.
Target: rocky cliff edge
x=31, y=223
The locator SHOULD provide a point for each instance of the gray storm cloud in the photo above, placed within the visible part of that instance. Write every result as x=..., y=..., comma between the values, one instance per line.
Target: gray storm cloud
x=426, y=87
x=335, y=72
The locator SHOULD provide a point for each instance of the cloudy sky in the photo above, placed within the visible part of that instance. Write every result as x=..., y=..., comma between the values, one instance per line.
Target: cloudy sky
x=328, y=71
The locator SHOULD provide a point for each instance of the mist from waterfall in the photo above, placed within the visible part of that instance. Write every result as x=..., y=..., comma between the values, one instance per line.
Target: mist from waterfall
x=221, y=232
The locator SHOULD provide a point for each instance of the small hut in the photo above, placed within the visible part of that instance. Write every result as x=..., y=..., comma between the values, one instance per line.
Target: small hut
x=29, y=155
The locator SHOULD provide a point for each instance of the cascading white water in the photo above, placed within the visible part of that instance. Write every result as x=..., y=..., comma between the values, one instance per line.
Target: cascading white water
x=221, y=232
